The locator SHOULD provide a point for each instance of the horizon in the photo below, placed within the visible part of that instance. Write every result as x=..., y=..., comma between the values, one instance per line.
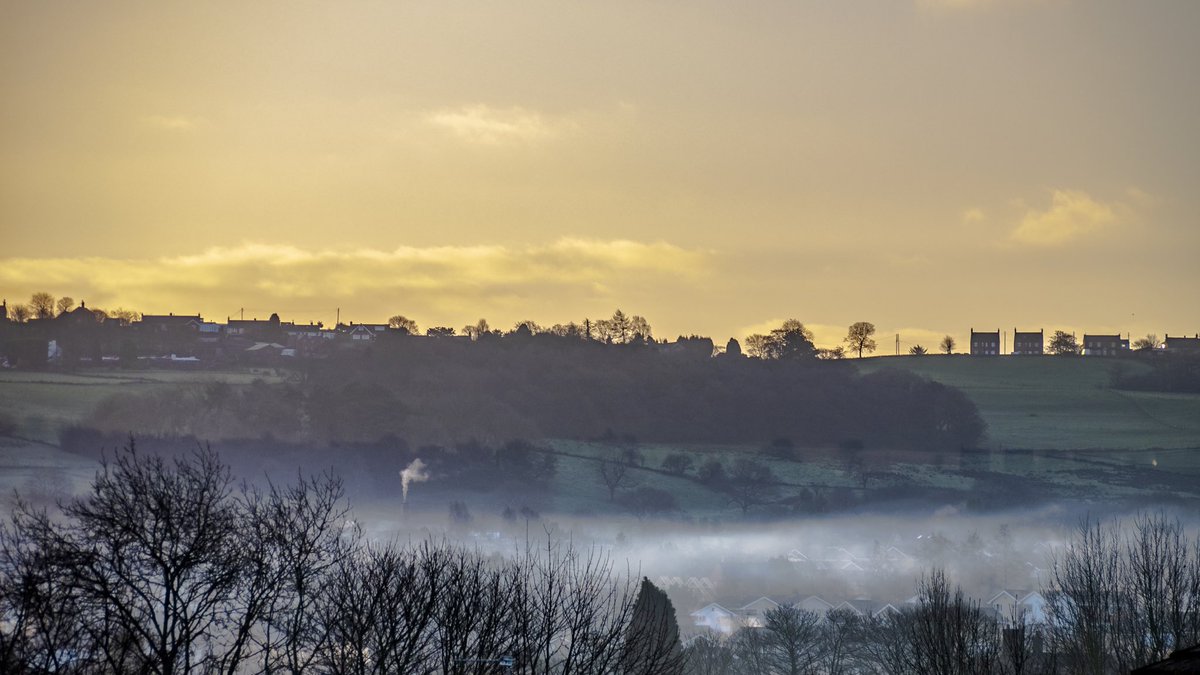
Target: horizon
x=824, y=335
x=922, y=165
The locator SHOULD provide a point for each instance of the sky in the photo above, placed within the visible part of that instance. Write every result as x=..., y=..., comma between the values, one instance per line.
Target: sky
x=926, y=165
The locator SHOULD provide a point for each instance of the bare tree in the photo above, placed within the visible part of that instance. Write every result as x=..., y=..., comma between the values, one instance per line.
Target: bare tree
x=708, y=654
x=947, y=345
x=1144, y=343
x=840, y=637
x=404, y=324
x=614, y=473
x=950, y=633
x=749, y=484
x=378, y=608
x=64, y=304
x=41, y=305
x=20, y=313
x=793, y=644
x=859, y=337
x=885, y=643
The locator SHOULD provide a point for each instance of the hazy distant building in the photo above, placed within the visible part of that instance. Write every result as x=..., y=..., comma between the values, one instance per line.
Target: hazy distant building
x=1105, y=345
x=1025, y=343
x=1182, y=343
x=170, y=322
x=985, y=344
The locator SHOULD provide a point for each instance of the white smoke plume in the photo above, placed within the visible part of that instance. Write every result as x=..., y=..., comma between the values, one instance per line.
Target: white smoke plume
x=413, y=473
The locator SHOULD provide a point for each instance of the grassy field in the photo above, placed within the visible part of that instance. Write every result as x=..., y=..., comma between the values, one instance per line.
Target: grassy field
x=1060, y=403
x=1056, y=430
x=43, y=403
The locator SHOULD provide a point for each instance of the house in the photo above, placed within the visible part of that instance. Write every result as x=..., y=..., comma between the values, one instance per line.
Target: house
x=717, y=618
x=271, y=329
x=165, y=323
x=985, y=344
x=1182, y=343
x=814, y=604
x=754, y=614
x=795, y=556
x=1105, y=345
x=867, y=609
x=362, y=332
x=1028, y=343
x=1028, y=606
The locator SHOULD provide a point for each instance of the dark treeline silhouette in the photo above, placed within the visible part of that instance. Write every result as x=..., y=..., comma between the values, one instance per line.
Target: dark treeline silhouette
x=547, y=386
x=169, y=566
x=1175, y=373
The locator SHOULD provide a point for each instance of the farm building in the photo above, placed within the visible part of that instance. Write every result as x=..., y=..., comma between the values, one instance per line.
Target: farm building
x=1028, y=343
x=1105, y=345
x=985, y=344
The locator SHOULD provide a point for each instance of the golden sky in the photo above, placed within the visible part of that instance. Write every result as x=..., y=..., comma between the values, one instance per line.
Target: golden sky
x=928, y=165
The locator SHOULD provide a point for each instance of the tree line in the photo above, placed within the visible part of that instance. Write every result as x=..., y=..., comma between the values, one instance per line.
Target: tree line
x=44, y=305
x=171, y=567
x=1119, y=597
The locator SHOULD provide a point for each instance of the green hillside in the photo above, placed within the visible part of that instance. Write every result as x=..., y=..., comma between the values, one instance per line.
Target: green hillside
x=1060, y=403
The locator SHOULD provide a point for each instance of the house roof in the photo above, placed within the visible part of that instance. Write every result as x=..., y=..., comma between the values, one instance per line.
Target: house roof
x=712, y=608
x=170, y=319
x=761, y=603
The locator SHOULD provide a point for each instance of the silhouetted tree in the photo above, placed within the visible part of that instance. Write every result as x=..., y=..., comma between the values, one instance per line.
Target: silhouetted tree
x=65, y=304
x=859, y=337
x=652, y=640
x=793, y=643
x=404, y=324
x=749, y=484
x=1063, y=343
x=947, y=345
x=614, y=473
x=439, y=331
x=732, y=348
x=19, y=313
x=708, y=654
x=41, y=304
x=918, y=350
x=1148, y=342
x=790, y=341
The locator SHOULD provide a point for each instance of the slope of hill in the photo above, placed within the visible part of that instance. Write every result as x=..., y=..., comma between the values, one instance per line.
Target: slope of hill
x=1060, y=403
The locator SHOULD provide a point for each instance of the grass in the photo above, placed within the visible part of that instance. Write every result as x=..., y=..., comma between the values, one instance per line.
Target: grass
x=1056, y=429
x=1060, y=403
x=42, y=403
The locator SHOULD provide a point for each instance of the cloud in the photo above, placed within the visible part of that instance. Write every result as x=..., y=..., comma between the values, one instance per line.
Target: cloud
x=973, y=215
x=1072, y=214
x=173, y=122
x=566, y=274
x=486, y=125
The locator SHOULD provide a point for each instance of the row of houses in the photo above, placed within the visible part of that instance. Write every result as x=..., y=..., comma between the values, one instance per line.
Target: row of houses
x=1007, y=606
x=1028, y=343
x=82, y=335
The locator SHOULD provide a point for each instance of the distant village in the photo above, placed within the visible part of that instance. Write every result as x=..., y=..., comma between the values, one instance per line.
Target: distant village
x=85, y=336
